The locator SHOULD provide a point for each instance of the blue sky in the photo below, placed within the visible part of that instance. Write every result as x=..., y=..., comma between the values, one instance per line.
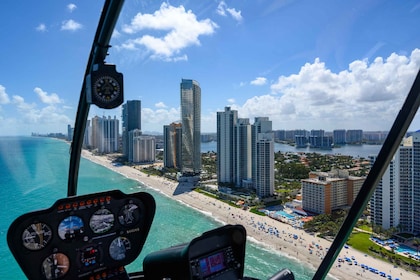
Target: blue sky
x=304, y=64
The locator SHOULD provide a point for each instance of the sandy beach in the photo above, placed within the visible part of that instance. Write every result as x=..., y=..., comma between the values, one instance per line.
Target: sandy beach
x=273, y=234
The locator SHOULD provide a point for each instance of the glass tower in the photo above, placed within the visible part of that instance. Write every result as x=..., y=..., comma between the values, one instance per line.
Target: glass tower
x=191, y=127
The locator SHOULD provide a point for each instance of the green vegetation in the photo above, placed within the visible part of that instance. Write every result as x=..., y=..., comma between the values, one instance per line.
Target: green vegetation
x=361, y=242
x=326, y=225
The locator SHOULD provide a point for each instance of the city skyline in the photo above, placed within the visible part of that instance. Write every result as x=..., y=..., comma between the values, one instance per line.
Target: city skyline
x=336, y=65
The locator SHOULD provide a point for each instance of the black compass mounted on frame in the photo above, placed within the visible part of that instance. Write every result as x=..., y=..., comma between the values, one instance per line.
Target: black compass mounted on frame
x=104, y=86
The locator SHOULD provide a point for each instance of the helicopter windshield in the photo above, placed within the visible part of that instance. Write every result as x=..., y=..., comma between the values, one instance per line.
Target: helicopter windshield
x=267, y=115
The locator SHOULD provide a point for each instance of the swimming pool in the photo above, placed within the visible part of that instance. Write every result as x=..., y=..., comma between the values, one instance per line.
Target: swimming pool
x=285, y=214
x=403, y=248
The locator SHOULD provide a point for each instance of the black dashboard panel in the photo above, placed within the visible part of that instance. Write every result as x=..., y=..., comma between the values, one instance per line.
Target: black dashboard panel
x=218, y=254
x=83, y=237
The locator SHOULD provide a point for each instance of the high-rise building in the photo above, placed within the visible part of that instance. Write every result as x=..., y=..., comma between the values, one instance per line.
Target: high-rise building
x=339, y=136
x=243, y=155
x=191, y=127
x=144, y=149
x=263, y=157
x=172, y=145
x=226, y=146
x=132, y=134
x=70, y=131
x=131, y=119
x=395, y=202
x=105, y=132
x=354, y=136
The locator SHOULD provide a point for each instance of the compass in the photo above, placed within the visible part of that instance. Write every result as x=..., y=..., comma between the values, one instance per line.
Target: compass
x=104, y=86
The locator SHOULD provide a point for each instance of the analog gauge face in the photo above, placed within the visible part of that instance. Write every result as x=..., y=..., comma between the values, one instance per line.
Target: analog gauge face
x=101, y=221
x=55, y=266
x=106, y=89
x=129, y=214
x=70, y=228
x=36, y=236
x=119, y=247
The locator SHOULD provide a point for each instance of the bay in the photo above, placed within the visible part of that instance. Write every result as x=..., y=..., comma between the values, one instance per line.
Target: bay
x=350, y=150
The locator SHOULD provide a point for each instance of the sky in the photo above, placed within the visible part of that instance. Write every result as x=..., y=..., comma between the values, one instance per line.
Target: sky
x=304, y=64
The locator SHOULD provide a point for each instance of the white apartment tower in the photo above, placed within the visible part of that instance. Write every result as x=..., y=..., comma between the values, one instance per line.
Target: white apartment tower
x=144, y=149
x=263, y=157
x=105, y=132
x=226, y=146
x=243, y=136
x=395, y=202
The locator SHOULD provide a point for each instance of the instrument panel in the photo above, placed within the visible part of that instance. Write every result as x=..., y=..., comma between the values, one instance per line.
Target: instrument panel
x=218, y=254
x=83, y=237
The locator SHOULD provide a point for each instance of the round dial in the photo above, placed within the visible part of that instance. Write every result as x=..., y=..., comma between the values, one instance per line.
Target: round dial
x=106, y=88
x=55, y=266
x=70, y=228
x=129, y=214
x=36, y=236
x=101, y=221
x=119, y=247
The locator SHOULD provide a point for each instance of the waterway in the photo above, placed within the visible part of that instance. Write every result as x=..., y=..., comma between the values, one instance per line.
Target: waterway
x=356, y=151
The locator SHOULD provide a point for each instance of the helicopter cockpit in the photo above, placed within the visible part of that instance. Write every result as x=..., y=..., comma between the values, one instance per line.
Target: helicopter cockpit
x=94, y=236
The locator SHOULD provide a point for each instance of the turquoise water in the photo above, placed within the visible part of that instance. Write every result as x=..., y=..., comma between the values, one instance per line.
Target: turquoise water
x=33, y=175
x=285, y=214
x=403, y=248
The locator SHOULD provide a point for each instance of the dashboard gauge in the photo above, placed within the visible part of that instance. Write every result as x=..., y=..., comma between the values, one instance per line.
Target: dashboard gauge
x=70, y=228
x=101, y=221
x=55, y=266
x=119, y=248
x=36, y=236
x=129, y=214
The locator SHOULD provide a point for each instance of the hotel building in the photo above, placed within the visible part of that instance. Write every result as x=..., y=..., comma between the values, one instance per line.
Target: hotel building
x=324, y=192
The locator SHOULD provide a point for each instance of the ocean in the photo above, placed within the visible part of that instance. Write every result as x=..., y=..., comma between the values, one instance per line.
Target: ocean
x=33, y=175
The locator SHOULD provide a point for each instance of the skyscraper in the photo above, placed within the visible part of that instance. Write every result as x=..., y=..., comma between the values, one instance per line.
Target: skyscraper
x=191, y=127
x=172, y=145
x=131, y=119
x=226, y=146
x=105, y=132
x=243, y=155
x=263, y=157
x=395, y=200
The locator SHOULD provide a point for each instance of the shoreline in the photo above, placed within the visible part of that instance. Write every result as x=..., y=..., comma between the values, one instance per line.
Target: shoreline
x=263, y=230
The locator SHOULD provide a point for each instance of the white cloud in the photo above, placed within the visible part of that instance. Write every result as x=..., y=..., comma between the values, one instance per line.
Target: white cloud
x=222, y=8
x=4, y=97
x=41, y=27
x=259, y=81
x=157, y=118
x=181, y=29
x=71, y=7
x=70, y=25
x=30, y=113
x=45, y=98
x=231, y=100
x=160, y=105
x=367, y=95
